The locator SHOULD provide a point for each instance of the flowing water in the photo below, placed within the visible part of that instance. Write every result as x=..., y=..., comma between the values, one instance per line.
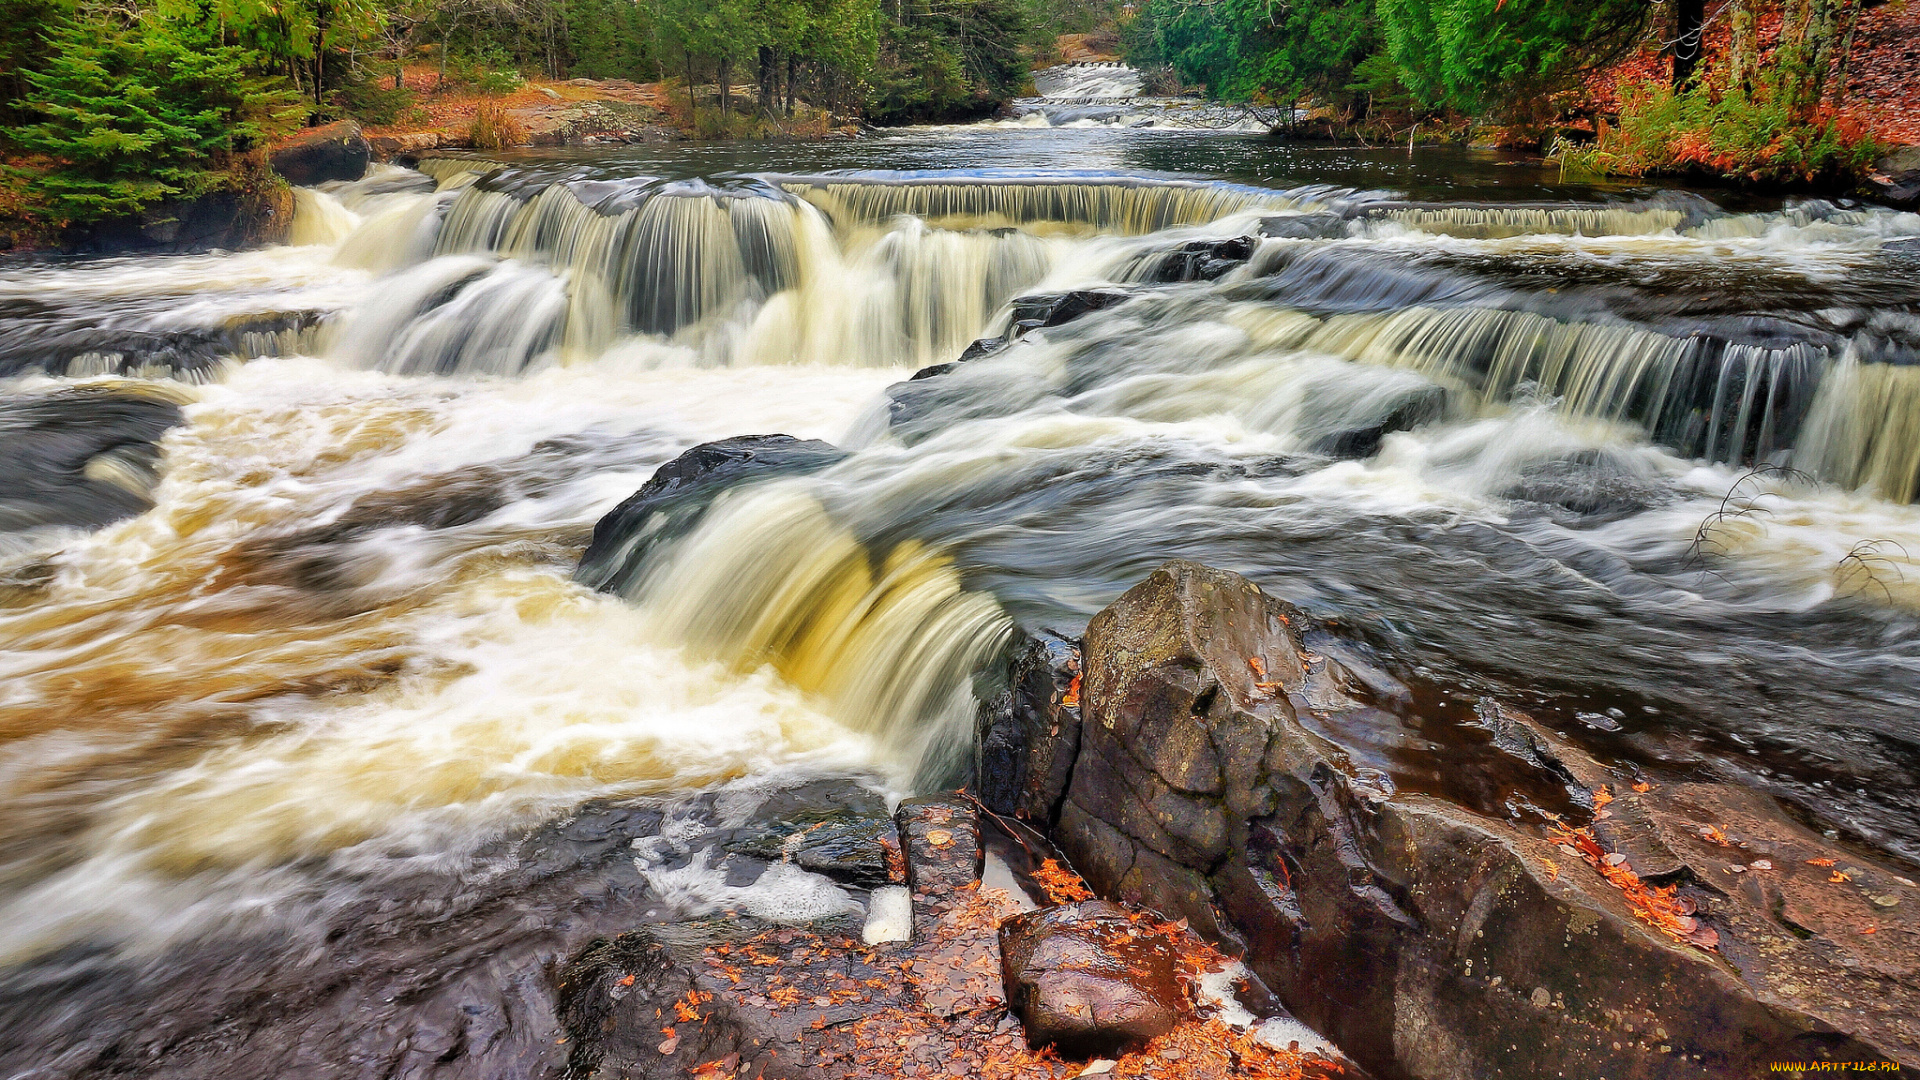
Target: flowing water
x=300, y=703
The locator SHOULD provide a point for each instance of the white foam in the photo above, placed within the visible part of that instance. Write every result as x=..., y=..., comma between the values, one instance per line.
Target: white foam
x=1215, y=990
x=889, y=915
x=784, y=893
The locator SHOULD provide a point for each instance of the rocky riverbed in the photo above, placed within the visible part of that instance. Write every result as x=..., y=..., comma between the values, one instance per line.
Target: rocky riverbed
x=1184, y=755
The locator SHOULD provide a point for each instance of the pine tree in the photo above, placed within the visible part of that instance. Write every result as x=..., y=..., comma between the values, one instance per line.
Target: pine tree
x=134, y=114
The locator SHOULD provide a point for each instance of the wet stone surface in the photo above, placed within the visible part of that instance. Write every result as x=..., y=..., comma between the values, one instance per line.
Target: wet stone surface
x=1089, y=979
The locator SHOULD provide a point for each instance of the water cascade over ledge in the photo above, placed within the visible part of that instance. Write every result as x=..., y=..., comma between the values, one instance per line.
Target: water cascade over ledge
x=301, y=660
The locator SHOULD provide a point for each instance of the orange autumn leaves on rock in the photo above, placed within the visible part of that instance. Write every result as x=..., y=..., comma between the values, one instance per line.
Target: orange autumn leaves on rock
x=1658, y=906
x=1259, y=669
x=1061, y=885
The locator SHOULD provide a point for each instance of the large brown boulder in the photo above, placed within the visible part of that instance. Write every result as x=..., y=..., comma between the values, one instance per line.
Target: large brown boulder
x=1429, y=940
x=1090, y=979
x=336, y=151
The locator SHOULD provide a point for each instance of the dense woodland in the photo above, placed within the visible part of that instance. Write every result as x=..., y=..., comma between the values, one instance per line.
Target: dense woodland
x=112, y=106
x=1746, y=89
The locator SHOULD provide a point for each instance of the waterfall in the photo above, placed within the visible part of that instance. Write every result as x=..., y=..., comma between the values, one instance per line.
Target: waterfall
x=888, y=639
x=1501, y=222
x=1725, y=402
x=1864, y=429
x=864, y=272
x=1114, y=205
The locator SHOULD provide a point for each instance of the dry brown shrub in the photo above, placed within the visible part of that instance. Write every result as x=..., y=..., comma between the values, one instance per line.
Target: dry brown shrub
x=494, y=128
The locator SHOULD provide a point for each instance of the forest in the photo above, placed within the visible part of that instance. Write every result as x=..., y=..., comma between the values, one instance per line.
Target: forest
x=113, y=106
x=1739, y=89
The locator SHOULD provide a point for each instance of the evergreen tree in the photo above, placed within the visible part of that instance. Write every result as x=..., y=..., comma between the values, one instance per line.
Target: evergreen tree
x=138, y=113
x=1478, y=55
x=1253, y=50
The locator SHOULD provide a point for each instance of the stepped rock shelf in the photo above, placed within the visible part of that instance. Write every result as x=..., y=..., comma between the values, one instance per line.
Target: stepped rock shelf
x=1183, y=755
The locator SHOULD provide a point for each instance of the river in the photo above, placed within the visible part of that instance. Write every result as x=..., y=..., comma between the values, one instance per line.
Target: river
x=295, y=705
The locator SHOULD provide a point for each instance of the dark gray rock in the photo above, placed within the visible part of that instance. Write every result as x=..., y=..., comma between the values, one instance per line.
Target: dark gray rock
x=79, y=457
x=1202, y=260
x=1056, y=309
x=836, y=828
x=1896, y=178
x=1029, y=732
x=217, y=220
x=336, y=151
x=1424, y=406
x=1089, y=979
x=678, y=494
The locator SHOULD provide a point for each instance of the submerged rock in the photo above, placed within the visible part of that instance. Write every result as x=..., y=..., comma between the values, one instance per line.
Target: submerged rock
x=1089, y=978
x=1055, y=309
x=1422, y=406
x=1203, y=260
x=1303, y=226
x=678, y=494
x=79, y=457
x=1586, y=489
x=1431, y=941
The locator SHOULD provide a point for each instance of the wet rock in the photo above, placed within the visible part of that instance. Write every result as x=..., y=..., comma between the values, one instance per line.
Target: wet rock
x=1032, y=313
x=1303, y=226
x=1089, y=979
x=1895, y=179
x=980, y=348
x=403, y=146
x=223, y=220
x=1584, y=489
x=1424, y=406
x=1203, y=260
x=618, y=1000
x=1428, y=940
x=940, y=835
x=678, y=494
x=834, y=828
x=1030, y=731
x=79, y=457
x=336, y=151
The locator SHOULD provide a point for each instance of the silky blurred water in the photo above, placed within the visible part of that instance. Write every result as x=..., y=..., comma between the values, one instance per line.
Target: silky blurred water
x=1639, y=460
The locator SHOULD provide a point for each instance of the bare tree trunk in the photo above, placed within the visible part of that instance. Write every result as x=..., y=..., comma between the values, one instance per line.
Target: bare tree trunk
x=1689, y=32
x=693, y=99
x=726, y=85
x=1743, y=50
x=319, y=54
x=766, y=79
x=793, y=70
x=1846, y=56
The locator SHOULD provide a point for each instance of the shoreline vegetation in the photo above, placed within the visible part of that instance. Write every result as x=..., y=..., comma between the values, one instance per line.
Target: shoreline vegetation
x=135, y=110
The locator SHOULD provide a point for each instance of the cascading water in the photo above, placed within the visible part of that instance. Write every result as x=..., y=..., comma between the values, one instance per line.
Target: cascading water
x=281, y=725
